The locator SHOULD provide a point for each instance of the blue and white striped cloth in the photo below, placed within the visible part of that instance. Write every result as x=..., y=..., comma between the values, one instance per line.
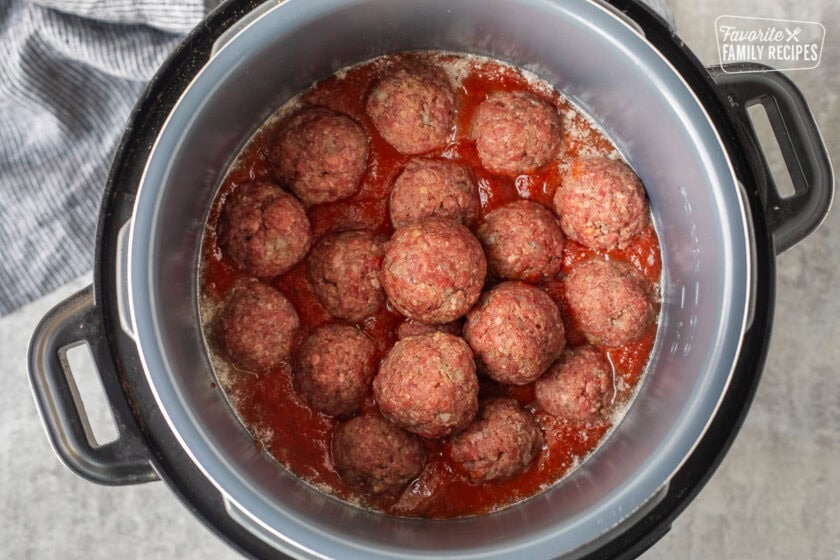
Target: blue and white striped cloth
x=71, y=72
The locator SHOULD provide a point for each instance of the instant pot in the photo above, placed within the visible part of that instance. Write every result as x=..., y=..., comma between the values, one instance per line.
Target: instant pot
x=682, y=127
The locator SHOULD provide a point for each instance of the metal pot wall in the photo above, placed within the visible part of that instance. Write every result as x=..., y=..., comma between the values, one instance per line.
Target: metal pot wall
x=685, y=131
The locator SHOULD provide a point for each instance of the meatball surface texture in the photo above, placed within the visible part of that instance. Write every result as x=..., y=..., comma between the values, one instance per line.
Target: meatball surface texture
x=578, y=386
x=376, y=457
x=427, y=385
x=611, y=301
x=344, y=270
x=516, y=132
x=334, y=368
x=601, y=203
x=516, y=332
x=523, y=241
x=433, y=270
x=502, y=441
x=321, y=155
x=264, y=229
x=413, y=108
x=416, y=328
x=434, y=188
x=257, y=326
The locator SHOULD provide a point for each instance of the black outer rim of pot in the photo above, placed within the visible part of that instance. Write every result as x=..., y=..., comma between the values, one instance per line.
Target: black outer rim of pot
x=201, y=497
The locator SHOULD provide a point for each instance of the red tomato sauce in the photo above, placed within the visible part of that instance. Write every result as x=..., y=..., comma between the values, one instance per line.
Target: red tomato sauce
x=299, y=438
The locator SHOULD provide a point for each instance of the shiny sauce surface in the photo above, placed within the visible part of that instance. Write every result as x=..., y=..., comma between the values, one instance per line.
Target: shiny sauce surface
x=299, y=438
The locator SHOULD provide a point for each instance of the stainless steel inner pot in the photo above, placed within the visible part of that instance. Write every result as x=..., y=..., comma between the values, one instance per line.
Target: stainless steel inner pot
x=604, y=65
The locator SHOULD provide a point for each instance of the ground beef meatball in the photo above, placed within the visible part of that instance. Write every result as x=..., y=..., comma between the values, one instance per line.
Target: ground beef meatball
x=413, y=108
x=601, y=203
x=335, y=365
x=376, y=457
x=321, y=155
x=264, y=229
x=611, y=301
x=578, y=386
x=502, y=441
x=523, y=241
x=515, y=132
x=433, y=270
x=344, y=270
x=516, y=332
x=433, y=187
x=256, y=326
x=416, y=328
x=427, y=385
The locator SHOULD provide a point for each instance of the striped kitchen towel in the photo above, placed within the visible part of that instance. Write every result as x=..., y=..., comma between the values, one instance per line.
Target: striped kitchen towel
x=72, y=71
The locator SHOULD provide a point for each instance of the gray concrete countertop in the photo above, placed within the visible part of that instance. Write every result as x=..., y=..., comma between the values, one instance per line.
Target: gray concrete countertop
x=776, y=495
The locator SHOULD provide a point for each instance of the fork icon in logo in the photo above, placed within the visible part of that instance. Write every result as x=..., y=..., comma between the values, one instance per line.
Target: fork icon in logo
x=793, y=35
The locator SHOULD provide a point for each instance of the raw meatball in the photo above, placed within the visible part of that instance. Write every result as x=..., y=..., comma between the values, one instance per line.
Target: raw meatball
x=413, y=108
x=515, y=132
x=611, y=301
x=502, y=441
x=416, y=328
x=433, y=270
x=601, y=203
x=431, y=187
x=264, y=229
x=516, y=332
x=344, y=271
x=376, y=457
x=257, y=326
x=427, y=385
x=523, y=241
x=578, y=386
x=321, y=155
x=335, y=365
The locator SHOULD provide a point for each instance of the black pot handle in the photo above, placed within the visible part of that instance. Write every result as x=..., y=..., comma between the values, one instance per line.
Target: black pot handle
x=125, y=460
x=793, y=218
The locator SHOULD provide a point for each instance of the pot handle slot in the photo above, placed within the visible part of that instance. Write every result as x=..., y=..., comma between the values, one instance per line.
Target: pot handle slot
x=791, y=219
x=127, y=459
